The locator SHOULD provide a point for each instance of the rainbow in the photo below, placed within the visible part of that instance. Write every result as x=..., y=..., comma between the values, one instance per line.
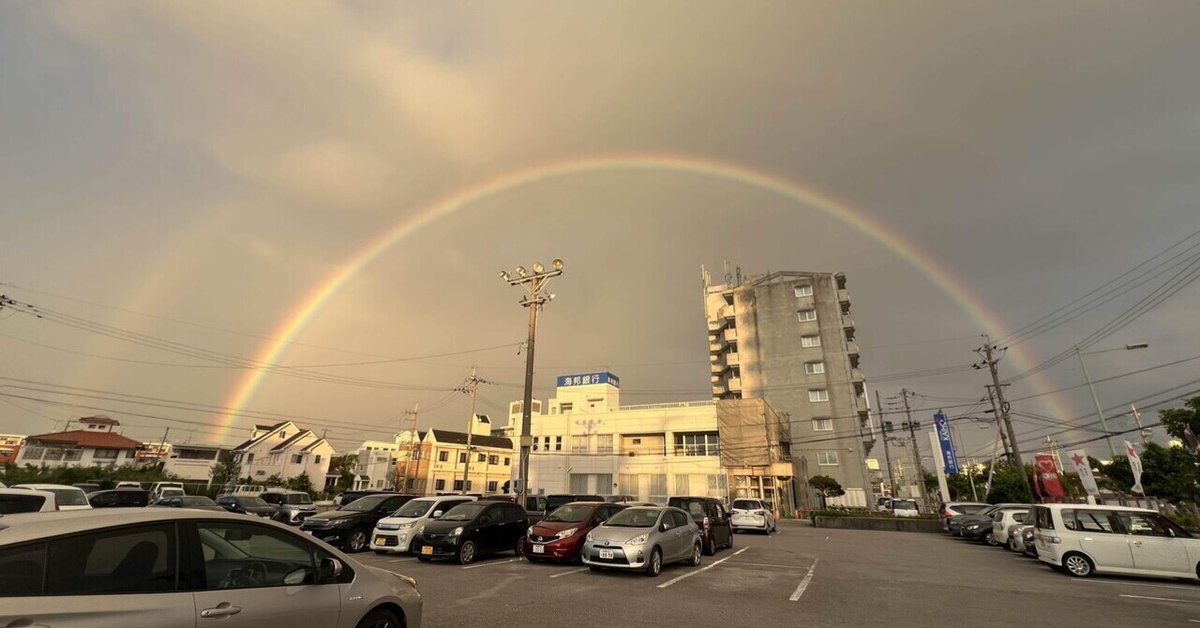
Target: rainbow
x=311, y=304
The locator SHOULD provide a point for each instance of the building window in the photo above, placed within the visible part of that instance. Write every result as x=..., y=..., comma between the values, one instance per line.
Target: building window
x=317, y=459
x=546, y=443
x=804, y=291
x=822, y=424
x=481, y=458
x=819, y=394
x=443, y=456
x=298, y=459
x=697, y=444
x=566, y=407
x=250, y=458
x=810, y=341
x=827, y=458
x=462, y=457
x=33, y=453
x=579, y=444
x=439, y=485
x=493, y=459
x=807, y=316
x=604, y=443
x=458, y=485
x=492, y=486
x=507, y=461
x=101, y=454
x=814, y=368
x=275, y=459
x=578, y=483
x=558, y=443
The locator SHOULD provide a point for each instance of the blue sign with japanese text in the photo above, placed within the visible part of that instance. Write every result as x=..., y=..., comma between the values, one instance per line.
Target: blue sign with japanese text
x=587, y=379
x=947, y=443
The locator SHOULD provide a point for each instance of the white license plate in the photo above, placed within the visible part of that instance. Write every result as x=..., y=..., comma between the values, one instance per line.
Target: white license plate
x=607, y=554
x=539, y=549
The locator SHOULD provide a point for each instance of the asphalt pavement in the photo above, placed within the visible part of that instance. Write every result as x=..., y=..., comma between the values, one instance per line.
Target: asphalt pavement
x=800, y=576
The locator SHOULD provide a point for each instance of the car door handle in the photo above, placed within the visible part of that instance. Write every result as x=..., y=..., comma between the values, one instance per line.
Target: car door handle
x=224, y=609
x=1137, y=543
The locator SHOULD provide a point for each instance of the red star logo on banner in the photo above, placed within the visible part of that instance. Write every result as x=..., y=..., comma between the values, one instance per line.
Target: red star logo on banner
x=1077, y=459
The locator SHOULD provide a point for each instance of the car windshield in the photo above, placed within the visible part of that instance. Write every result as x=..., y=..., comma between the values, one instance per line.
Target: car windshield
x=634, y=518
x=970, y=509
x=904, y=504
x=415, y=508
x=251, y=502
x=196, y=500
x=571, y=513
x=366, y=504
x=68, y=496
x=463, y=512
x=746, y=504
x=298, y=498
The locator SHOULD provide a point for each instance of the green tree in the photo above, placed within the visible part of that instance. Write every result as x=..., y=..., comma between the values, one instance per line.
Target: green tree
x=1170, y=473
x=344, y=467
x=826, y=486
x=225, y=471
x=1008, y=485
x=301, y=483
x=275, y=480
x=1176, y=420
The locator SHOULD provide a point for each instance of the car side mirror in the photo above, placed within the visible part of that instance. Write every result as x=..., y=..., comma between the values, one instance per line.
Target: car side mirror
x=664, y=526
x=436, y=514
x=329, y=569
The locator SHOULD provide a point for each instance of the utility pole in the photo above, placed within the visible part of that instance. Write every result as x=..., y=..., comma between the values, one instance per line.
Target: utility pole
x=471, y=386
x=912, y=433
x=412, y=444
x=161, y=454
x=534, y=301
x=887, y=457
x=1137, y=417
x=988, y=351
x=999, y=426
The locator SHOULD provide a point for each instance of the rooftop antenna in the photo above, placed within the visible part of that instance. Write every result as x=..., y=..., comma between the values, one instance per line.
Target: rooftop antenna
x=705, y=276
x=739, y=275
x=728, y=277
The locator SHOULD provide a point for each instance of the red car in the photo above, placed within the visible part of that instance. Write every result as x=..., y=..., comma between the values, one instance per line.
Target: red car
x=559, y=537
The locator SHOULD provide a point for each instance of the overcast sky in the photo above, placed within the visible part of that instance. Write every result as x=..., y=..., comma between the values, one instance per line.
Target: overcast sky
x=190, y=171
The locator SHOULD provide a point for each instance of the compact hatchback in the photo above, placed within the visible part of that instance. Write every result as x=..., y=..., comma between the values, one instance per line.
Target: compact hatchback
x=350, y=526
x=68, y=497
x=1084, y=539
x=133, y=568
x=119, y=498
x=712, y=519
x=394, y=534
x=643, y=538
x=470, y=530
x=751, y=514
x=17, y=500
x=560, y=535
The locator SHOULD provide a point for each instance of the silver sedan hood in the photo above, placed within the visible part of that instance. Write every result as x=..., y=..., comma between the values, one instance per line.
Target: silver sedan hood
x=617, y=535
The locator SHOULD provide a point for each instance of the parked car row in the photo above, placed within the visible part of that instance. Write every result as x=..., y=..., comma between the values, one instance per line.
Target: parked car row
x=1086, y=539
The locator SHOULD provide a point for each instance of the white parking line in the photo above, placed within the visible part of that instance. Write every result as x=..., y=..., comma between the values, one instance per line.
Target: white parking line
x=804, y=583
x=747, y=564
x=704, y=568
x=1159, y=599
x=567, y=573
x=503, y=562
x=1132, y=584
x=402, y=560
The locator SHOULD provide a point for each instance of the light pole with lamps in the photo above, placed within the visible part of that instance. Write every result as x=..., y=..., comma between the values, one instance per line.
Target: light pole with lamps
x=534, y=301
x=1103, y=422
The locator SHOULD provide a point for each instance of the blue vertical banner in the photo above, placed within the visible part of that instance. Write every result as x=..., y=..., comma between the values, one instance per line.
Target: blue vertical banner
x=943, y=434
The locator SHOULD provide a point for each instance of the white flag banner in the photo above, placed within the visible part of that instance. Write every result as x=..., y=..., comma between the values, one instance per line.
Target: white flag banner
x=1135, y=463
x=1083, y=469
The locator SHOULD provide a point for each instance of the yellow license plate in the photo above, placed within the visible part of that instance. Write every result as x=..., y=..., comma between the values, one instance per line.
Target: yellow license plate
x=381, y=540
x=427, y=549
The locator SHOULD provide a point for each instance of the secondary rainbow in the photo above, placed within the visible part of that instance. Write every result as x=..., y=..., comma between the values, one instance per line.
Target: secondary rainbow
x=311, y=304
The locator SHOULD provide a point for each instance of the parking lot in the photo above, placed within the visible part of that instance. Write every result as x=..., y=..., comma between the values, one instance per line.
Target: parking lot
x=801, y=576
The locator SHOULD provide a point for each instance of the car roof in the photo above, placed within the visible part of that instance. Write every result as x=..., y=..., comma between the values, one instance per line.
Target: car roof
x=40, y=486
x=33, y=526
x=1095, y=507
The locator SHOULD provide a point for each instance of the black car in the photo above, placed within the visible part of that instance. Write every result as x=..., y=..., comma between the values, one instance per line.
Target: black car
x=535, y=508
x=119, y=498
x=246, y=505
x=554, y=501
x=345, y=497
x=350, y=526
x=712, y=519
x=470, y=530
x=195, y=502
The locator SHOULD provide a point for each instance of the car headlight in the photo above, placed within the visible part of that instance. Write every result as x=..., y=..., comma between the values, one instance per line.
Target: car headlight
x=405, y=526
x=342, y=522
x=638, y=540
x=456, y=531
x=529, y=531
x=565, y=533
x=588, y=538
x=412, y=582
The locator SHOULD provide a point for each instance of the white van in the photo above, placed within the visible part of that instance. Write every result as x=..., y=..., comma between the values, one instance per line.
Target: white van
x=1085, y=539
x=394, y=533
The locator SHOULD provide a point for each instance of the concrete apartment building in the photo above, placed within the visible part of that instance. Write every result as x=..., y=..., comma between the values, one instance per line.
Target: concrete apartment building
x=589, y=444
x=788, y=338
x=435, y=462
x=10, y=448
x=192, y=461
x=375, y=469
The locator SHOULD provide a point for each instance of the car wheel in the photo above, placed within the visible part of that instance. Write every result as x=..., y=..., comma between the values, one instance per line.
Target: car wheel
x=1078, y=565
x=695, y=562
x=357, y=541
x=654, y=565
x=989, y=539
x=380, y=618
x=519, y=550
x=466, y=552
x=710, y=546
x=730, y=545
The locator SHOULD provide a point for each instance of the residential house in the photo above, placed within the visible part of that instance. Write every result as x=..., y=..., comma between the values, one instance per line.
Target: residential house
x=94, y=445
x=376, y=467
x=285, y=450
x=436, y=460
x=193, y=461
x=10, y=448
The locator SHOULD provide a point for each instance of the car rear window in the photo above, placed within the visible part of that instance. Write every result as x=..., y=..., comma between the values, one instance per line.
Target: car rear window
x=970, y=509
x=69, y=496
x=746, y=504
x=1043, y=519
x=12, y=504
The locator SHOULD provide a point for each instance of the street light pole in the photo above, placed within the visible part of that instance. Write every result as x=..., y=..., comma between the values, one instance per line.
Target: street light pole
x=1095, y=400
x=534, y=301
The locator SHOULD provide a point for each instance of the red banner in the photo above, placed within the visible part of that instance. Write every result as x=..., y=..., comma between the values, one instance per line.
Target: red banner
x=1047, y=475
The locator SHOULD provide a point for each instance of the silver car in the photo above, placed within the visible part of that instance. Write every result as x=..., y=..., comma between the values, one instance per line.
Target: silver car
x=644, y=538
x=133, y=567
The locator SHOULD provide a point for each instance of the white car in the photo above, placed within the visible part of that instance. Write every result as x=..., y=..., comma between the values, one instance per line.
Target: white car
x=751, y=514
x=17, y=500
x=1002, y=521
x=135, y=567
x=1084, y=539
x=394, y=534
x=68, y=497
x=904, y=507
